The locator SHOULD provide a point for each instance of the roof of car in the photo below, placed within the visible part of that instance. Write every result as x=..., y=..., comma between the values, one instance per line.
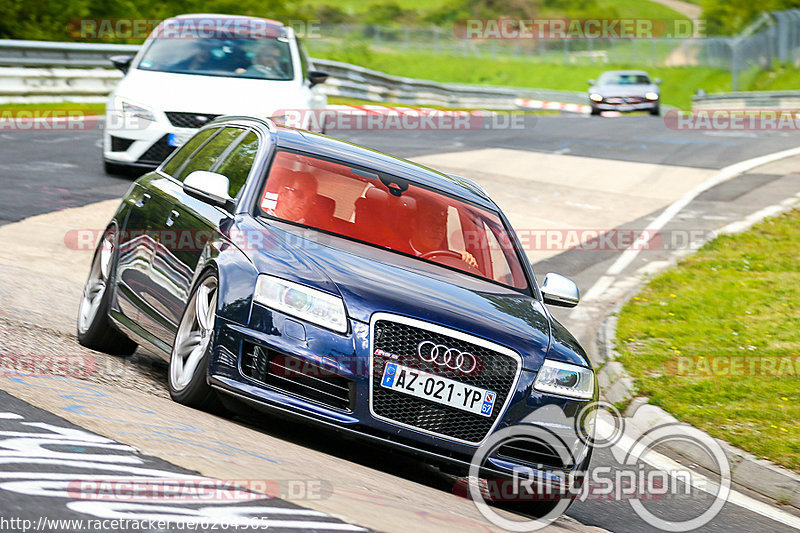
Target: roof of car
x=216, y=16
x=633, y=72
x=330, y=147
x=336, y=149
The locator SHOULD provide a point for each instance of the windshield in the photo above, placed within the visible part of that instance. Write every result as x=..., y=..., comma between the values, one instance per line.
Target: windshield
x=391, y=213
x=264, y=58
x=614, y=78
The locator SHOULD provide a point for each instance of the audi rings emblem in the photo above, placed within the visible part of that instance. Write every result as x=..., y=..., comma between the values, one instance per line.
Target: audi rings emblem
x=442, y=355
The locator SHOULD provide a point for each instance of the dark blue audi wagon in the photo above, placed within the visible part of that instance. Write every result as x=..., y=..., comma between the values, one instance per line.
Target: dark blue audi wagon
x=326, y=281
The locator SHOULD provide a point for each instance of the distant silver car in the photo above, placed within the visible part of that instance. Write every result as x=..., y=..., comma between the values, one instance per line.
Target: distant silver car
x=625, y=90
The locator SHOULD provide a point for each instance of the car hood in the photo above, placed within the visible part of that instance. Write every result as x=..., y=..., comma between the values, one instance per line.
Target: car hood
x=374, y=280
x=623, y=90
x=219, y=95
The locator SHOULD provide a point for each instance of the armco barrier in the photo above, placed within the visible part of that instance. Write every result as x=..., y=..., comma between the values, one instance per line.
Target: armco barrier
x=34, y=71
x=754, y=101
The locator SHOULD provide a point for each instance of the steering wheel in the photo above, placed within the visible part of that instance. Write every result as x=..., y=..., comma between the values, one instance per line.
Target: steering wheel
x=449, y=258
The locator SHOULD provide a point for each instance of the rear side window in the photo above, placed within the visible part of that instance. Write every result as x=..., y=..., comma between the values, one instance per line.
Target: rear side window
x=210, y=153
x=236, y=166
x=183, y=153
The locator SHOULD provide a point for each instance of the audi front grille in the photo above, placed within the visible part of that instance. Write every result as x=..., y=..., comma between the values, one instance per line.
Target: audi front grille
x=396, y=339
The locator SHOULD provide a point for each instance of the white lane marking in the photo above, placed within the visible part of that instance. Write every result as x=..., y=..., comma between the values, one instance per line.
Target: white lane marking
x=599, y=287
x=10, y=416
x=669, y=213
x=701, y=482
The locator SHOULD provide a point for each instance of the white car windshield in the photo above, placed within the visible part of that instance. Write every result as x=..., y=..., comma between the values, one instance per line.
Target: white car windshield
x=267, y=59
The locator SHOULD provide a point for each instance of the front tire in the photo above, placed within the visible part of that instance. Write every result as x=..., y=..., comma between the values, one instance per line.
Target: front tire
x=188, y=363
x=655, y=111
x=95, y=330
x=595, y=112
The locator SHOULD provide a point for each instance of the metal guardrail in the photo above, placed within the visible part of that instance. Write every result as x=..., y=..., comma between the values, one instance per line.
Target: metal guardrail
x=16, y=53
x=753, y=100
x=38, y=71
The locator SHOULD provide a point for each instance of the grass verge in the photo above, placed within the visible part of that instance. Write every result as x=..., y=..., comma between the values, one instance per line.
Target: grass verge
x=714, y=341
x=679, y=83
x=71, y=107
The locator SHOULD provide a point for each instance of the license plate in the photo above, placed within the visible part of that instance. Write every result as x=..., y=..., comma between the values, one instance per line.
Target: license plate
x=625, y=107
x=438, y=389
x=177, y=139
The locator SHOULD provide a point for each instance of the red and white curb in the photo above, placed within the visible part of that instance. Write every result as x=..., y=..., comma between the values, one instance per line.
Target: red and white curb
x=369, y=109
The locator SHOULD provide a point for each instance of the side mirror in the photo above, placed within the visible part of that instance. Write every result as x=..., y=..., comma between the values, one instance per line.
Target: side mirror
x=121, y=62
x=591, y=82
x=316, y=77
x=209, y=187
x=657, y=81
x=560, y=291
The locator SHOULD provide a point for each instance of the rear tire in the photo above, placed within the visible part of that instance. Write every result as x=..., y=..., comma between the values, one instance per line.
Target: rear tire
x=188, y=363
x=95, y=330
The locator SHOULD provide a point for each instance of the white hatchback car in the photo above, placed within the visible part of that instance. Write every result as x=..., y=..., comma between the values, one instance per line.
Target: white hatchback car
x=194, y=68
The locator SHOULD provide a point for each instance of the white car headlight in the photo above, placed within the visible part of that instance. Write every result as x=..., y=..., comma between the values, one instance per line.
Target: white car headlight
x=301, y=301
x=596, y=97
x=651, y=96
x=130, y=110
x=565, y=379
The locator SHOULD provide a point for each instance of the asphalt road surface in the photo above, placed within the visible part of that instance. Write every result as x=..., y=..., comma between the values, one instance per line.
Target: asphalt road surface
x=47, y=171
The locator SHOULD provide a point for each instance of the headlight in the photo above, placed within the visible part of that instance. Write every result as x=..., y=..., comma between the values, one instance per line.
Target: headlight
x=130, y=110
x=565, y=379
x=303, y=302
x=651, y=96
x=596, y=97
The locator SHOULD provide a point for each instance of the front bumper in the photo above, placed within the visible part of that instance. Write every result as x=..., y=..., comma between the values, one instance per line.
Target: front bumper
x=624, y=106
x=351, y=413
x=141, y=143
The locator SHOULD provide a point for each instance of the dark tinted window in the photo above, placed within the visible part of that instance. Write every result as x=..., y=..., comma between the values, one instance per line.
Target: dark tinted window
x=210, y=153
x=268, y=59
x=236, y=166
x=183, y=153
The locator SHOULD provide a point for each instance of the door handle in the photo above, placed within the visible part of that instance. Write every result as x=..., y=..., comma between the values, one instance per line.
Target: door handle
x=143, y=200
x=172, y=216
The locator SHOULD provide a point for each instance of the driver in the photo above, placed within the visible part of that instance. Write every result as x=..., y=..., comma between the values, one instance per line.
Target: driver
x=429, y=231
x=296, y=198
x=267, y=62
